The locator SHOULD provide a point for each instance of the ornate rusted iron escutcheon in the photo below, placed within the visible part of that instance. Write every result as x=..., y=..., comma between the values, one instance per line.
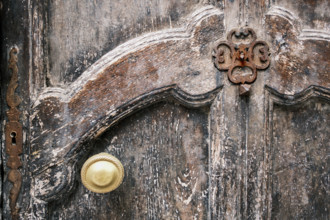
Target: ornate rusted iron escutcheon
x=242, y=54
x=14, y=135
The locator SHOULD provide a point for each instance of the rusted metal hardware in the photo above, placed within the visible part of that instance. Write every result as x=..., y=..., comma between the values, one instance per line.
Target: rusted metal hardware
x=13, y=134
x=241, y=55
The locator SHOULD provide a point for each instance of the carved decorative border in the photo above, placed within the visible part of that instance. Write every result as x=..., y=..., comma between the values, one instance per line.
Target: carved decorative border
x=172, y=34
x=84, y=125
x=14, y=135
x=304, y=34
x=78, y=146
x=68, y=166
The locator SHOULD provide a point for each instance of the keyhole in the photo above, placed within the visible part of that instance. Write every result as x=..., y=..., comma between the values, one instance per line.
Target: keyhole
x=13, y=138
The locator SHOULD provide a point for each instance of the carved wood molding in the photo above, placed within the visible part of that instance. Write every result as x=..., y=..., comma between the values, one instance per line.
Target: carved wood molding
x=67, y=167
x=132, y=76
x=189, y=31
x=272, y=98
x=298, y=54
x=301, y=97
x=169, y=64
x=14, y=135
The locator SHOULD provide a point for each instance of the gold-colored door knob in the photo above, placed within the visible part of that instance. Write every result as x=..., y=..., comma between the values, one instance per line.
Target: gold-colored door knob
x=102, y=173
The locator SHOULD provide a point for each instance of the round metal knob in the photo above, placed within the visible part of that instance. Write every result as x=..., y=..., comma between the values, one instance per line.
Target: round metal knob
x=102, y=173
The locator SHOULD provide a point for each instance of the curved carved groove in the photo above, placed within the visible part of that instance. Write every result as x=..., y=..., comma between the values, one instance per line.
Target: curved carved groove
x=286, y=14
x=313, y=34
x=62, y=185
x=67, y=166
x=305, y=34
x=299, y=54
x=172, y=91
x=134, y=69
x=273, y=97
x=312, y=91
x=129, y=78
x=129, y=47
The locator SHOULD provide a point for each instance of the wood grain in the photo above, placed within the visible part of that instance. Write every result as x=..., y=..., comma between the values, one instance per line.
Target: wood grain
x=165, y=153
x=300, y=164
x=88, y=65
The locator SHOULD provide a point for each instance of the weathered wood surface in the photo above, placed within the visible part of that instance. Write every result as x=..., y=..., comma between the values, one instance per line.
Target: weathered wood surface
x=139, y=72
x=164, y=150
x=297, y=144
x=300, y=164
x=86, y=65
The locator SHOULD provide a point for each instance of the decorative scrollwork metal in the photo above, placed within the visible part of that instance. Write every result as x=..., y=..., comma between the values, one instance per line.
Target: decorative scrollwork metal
x=14, y=135
x=242, y=54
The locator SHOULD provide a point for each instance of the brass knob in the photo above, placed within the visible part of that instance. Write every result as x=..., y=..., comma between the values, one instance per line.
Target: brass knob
x=102, y=173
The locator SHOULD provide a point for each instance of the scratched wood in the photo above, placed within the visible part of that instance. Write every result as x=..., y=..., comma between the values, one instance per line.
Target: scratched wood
x=89, y=66
x=300, y=164
x=165, y=153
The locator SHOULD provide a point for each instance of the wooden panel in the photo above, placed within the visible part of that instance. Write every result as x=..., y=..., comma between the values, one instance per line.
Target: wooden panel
x=313, y=14
x=85, y=65
x=299, y=54
x=164, y=150
x=300, y=151
x=142, y=70
x=76, y=43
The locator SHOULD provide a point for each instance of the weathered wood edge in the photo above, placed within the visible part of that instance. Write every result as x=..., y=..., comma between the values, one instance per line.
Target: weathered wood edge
x=69, y=164
x=285, y=99
x=63, y=167
x=59, y=93
x=304, y=34
x=140, y=102
x=131, y=46
x=272, y=96
x=292, y=70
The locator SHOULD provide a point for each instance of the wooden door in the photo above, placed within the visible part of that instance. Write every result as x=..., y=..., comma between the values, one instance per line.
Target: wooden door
x=217, y=109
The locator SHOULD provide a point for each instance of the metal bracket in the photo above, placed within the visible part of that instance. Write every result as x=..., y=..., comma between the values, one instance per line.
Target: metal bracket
x=14, y=135
x=241, y=55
